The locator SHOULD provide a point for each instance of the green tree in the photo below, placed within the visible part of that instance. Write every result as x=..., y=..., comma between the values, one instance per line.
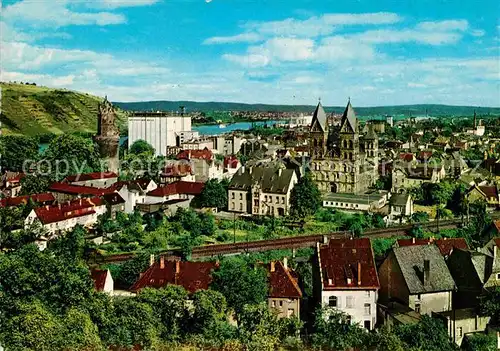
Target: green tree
x=141, y=147
x=480, y=342
x=489, y=305
x=333, y=331
x=214, y=194
x=16, y=151
x=131, y=269
x=305, y=199
x=419, y=217
x=210, y=309
x=441, y=213
x=427, y=335
x=169, y=306
x=259, y=327
x=240, y=283
x=80, y=333
x=35, y=184
x=71, y=154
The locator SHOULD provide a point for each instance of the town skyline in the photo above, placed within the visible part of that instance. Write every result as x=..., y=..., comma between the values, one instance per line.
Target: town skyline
x=384, y=54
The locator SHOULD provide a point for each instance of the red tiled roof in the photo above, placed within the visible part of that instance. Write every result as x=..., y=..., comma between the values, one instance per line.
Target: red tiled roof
x=230, y=162
x=36, y=198
x=99, y=278
x=281, y=282
x=177, y=170
x=67, y=210
x=204, y=154
x=405, y=156
x=489, y=190
x=192, y=276
x=79, y=189
x=180, y=187
x=445, y=245
x=344, y=261
x=90, y=176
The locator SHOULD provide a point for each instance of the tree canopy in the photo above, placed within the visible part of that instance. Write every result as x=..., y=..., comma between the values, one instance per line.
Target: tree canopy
x=305, y=199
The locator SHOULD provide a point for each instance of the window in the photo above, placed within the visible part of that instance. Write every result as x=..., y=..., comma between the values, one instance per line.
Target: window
x=348, y=319
x=290, y=313
x=241, y=207
x=281, y=303
x=349, y=302
x=273, y=303
x=332, y=301
x=417, y=307
x=368, y=309
x=367, y=325
x=459, y=332
x=232, y=205
x=232, y=196
x=498, y=276
x=282, y=199
x=241, y=196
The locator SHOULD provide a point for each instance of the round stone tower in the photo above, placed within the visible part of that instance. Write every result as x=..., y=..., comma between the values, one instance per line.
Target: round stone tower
x=108, y=136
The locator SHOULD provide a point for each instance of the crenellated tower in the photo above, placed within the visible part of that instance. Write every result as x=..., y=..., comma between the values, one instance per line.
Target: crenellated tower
x=108, y=135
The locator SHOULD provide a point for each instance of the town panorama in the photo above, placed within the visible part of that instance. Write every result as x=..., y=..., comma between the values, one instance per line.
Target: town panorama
x=249, y=175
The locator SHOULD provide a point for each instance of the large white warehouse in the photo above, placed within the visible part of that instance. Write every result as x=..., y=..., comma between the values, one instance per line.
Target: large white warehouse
x=160, y=129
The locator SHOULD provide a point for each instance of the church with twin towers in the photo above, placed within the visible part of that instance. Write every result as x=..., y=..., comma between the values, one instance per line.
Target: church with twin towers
x=342, y=160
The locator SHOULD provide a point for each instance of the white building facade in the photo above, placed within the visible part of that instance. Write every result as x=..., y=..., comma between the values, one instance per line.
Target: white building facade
x=159, y=129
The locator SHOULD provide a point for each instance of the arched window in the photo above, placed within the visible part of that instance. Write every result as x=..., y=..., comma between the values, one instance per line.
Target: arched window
x=315, y=142
x=350, y=155
x=332, y=301
x=321, y=143
x=350, y=144
x=345, y=143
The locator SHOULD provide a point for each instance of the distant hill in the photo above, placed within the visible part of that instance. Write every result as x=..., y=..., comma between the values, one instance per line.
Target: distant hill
x=414, y=110
x=34, y=110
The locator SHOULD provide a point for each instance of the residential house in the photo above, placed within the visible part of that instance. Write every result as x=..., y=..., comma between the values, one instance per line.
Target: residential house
x=192, y=276
x=417, y=276
x=400, y=208
x=455, y=165
x=492, y=249
x=261, y=191
x=67, y=192
x=355, y=202
x=231, y=166
x=10, y=183
x=65, y=216
x=134, y=192
x=103, y=281
x=37, y=199
x=228, y=145
x=409, y=177
x=176, y=171
x=203, y=163
x=445, y=245
x=95, y=180
x=487, y=193
x=284, y=291
x=463, y=322
x=346, y=279
x=170, y=197
x=197, y=144
x=114, y=203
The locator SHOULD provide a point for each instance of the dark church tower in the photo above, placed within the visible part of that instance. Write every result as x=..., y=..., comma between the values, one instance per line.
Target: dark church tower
x=108, y=136
x=319, y=133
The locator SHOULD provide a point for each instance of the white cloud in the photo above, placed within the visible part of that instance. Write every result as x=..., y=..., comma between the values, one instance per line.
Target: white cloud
x=56, y=14
x=447, y=25
x=322, y=25
x=251, y=60
x=239, y=38
x=113, y=4
x=407, y=35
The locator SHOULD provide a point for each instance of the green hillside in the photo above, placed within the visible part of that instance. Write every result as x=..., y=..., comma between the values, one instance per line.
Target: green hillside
x=406, y=110
x=34, y=110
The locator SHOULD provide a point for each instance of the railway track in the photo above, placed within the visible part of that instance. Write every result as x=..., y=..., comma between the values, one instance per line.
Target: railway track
x=294, y=242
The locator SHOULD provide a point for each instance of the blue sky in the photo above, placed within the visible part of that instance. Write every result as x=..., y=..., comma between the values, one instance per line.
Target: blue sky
x=284, y=52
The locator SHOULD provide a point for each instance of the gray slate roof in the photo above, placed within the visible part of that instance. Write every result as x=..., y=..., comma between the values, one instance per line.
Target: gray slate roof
x=399, y=199
x=267, y=178
x=350, y=116
x=320, y=116
x=411, y=261
x=469, y=268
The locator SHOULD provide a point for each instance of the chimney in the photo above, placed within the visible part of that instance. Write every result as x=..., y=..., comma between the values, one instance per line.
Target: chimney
x=413, y=240
x=285, y=263
x=427, y=271
x=177, y=267
x=272, y=266
x=359, y=273
x=151, y=259
x=162, y=262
